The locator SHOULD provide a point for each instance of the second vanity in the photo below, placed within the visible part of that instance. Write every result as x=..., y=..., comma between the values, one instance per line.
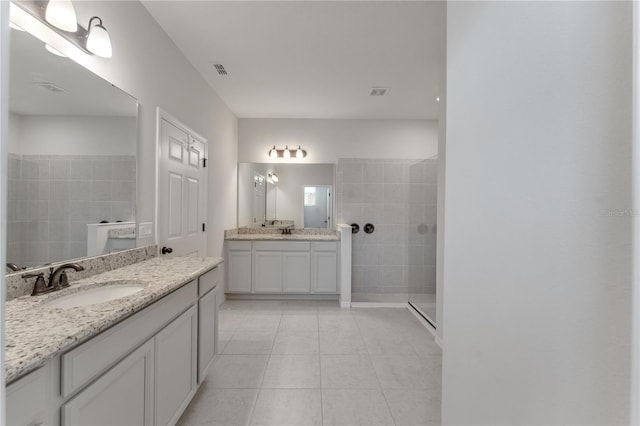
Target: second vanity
x=145, y=353
x=268, y=263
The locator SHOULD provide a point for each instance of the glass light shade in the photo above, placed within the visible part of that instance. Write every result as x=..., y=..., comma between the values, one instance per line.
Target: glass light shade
x=299, y=153
x=273, y=153
x=61, y=14
x=54, y=51
x=274, y=177
x=286, y=153
x=98, y=41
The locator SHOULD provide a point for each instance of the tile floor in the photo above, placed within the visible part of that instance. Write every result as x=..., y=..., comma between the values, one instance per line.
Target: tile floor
x=312, y=363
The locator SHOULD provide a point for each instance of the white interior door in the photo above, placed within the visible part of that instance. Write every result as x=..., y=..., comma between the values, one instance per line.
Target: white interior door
x=181, y=191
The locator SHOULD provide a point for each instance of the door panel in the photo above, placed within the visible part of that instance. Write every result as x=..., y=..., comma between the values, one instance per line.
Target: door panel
x=181, y=191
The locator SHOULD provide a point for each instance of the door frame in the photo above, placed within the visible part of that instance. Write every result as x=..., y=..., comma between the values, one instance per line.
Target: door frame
x=160, y=115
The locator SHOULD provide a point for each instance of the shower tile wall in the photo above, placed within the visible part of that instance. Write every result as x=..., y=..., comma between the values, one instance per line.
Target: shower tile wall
x=53, y=198
x=398, y=198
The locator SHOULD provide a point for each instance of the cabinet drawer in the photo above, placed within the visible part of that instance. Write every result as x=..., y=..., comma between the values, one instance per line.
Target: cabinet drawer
x=208, y=281
x=282, y=245
x=89, y=360
x=239, y=245
x=325, y=246
x=27, y=399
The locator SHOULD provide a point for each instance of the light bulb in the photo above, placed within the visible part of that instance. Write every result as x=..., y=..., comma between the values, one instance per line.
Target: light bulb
x=98, y=40
x=286, y=153
x=299, y=153
x=273, y=153
x=274, y=177
x=61, y=14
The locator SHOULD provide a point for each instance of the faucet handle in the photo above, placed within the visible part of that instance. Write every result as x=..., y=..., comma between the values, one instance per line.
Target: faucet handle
x=40, y=286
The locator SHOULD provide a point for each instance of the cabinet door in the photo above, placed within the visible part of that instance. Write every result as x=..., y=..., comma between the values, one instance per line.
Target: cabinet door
x=206, y=333
x=176, y=359
x=296, y=272
x=325, y=272
x=122, y=396
x=239, y=271
x=268, y=272
x=28, y=399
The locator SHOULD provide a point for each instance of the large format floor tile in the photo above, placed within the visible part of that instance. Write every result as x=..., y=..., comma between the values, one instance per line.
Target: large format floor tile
x=313, y=363
x=288, y=407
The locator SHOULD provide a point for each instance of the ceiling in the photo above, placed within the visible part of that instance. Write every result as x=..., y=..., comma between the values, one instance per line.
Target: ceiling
x=314, y=59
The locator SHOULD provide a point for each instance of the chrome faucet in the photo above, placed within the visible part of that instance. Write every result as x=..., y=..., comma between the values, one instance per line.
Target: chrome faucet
x=58, y=277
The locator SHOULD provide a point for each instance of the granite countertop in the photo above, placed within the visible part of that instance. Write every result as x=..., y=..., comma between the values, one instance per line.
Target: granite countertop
x=287, y=237
x=35, y=333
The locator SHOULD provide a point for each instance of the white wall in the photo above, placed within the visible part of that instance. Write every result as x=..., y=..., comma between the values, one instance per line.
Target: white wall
x=328, y=140
x=72, y=135
x=147, y=65
x=537, y=259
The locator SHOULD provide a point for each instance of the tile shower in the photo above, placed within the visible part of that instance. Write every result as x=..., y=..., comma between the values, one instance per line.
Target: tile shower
x=397, y=262
x=52, y=198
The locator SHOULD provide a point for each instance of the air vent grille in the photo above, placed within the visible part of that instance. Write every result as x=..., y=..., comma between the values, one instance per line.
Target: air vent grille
x=220, y=69
x=378, y=91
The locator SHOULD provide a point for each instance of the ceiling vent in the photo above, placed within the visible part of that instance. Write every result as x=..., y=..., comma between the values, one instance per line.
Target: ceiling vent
x=49, y=86
x=378, y=91
x=220, y=69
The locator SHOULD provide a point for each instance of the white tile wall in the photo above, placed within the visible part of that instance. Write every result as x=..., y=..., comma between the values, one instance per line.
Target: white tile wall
x=400, y=198
x=53, y=198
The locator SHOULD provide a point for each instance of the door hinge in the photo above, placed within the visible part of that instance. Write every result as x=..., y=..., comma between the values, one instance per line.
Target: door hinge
x=203, y=227
x=204, y=162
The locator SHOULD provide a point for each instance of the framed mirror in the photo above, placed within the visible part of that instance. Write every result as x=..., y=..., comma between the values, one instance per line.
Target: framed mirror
x=281, y=195
x=72, y=157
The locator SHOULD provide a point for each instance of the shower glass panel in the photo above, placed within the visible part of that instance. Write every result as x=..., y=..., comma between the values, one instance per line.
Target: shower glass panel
x=421, y=235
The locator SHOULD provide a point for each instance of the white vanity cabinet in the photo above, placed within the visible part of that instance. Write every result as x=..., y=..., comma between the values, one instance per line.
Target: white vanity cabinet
x=27, y=399
x=324, y=267
x=238, y=262
x=207, y=321
x=122, y=396
x=282, y=267
x=143, y=370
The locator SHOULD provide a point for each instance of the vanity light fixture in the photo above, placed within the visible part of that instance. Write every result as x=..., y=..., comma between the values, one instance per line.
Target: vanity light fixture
x=275, y=153
x=61, y=14
x=98, y=41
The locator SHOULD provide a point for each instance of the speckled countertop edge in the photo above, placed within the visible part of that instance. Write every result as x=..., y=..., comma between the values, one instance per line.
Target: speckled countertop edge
x=35, y=333
x=280, y=237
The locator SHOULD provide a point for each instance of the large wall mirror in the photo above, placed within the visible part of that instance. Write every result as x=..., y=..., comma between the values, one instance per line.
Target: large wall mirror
x=72, y=156
x=279, y=195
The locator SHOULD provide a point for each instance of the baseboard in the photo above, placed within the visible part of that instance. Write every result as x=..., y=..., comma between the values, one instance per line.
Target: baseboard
x=345, y=304
x=280, y=296
x=378, y=304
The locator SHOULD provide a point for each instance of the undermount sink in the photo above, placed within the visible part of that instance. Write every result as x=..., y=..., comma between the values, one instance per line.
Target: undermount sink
x=101, y=293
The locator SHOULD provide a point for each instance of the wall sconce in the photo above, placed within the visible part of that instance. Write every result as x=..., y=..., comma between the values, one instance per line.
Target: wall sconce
x=272, y=177
x=60, y=16
x=275, y=153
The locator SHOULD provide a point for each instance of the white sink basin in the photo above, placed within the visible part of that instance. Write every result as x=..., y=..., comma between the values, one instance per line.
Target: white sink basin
x=93, y=295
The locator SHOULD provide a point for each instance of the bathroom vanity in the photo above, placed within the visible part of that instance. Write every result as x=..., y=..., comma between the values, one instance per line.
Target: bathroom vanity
x=275, y=264
x=145, y=353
